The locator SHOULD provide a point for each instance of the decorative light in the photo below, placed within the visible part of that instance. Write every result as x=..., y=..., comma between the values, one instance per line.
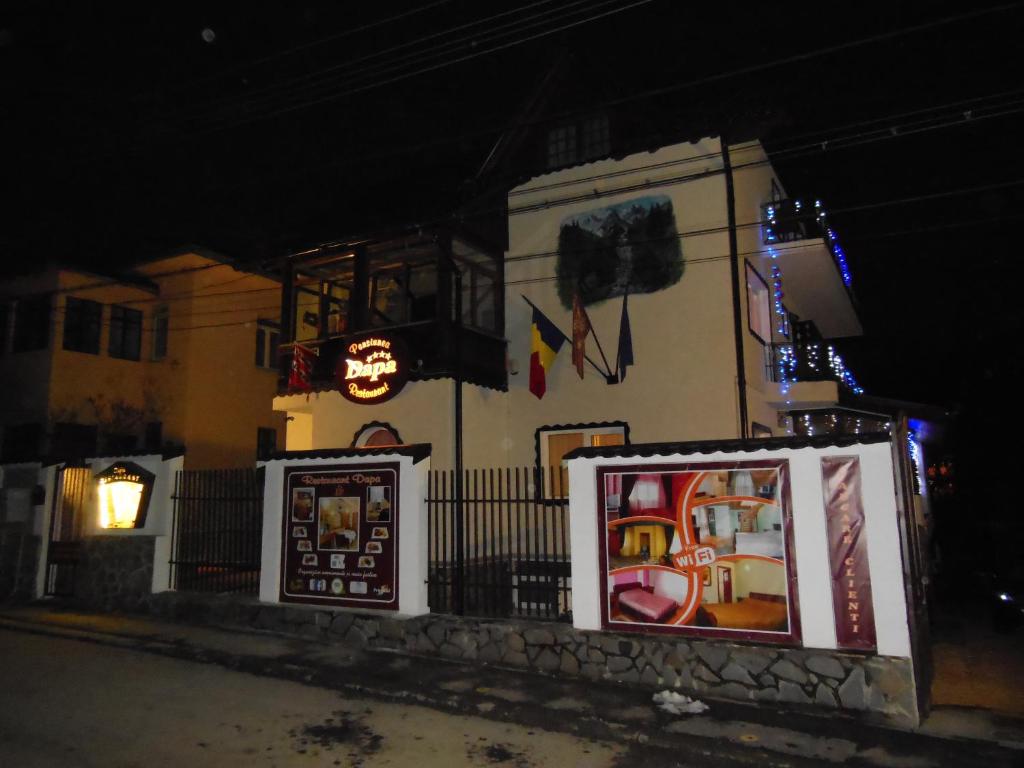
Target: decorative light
x=915, y=459
x=124, y=491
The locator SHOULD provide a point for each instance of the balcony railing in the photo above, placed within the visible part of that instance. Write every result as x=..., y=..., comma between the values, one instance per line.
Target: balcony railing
x=811, y=361
x=785, y=221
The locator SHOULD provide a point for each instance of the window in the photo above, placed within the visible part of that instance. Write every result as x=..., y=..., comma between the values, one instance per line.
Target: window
x=596, y=137
x=22, y=442
x=161, y=326
x=125, y=333
x=73, y=440
x=481, y=287
x=121, y=443
x=268, y=336
x=759, y=306
x=553, y=443
x=376, y=433
x=561, y=146
x=405, y=293
x=266, y=442
x=32, y=323
x=82, y=319
x=588, y=139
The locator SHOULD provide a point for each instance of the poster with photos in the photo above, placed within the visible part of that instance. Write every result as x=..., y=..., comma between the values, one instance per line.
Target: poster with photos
x=340, y=535
x=703, y=548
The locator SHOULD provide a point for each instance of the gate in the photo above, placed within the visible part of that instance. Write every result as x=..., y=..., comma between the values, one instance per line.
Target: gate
x=501, y=550
x=217, y=533
x=66, y=522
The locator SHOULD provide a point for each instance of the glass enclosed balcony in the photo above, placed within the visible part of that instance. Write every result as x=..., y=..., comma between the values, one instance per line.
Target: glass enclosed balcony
x=442, y=294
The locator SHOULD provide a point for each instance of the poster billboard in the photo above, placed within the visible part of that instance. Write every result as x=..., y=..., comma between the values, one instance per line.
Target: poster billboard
x=699, y=548
x=340, y=535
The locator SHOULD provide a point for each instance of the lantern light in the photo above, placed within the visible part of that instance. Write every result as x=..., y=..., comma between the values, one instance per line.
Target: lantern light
x=124, y=491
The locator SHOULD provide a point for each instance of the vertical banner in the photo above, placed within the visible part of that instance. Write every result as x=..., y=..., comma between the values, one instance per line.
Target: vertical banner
x=340, y=538
x=848, y=553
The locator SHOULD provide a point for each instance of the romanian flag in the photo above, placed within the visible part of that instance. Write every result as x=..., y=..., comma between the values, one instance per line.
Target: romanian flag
x=545, y=341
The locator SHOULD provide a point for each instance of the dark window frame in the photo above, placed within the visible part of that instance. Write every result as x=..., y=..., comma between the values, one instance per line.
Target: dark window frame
x=264, y=446
x=161, y=332
x=83, y=325
x=126, y=328
x=32, y=318
x=268, y=340
x=750, y=326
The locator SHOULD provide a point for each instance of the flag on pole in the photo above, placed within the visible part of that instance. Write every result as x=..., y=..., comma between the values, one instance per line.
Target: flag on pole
x=580, y=328
x=545, y=341
x=625, y=341
x=301, y=374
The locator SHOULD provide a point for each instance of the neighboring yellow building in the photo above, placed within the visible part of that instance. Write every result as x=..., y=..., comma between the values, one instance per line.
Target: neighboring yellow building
x=178, y=351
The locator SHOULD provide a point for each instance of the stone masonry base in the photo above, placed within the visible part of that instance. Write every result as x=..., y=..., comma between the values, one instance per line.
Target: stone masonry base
x=877, y=685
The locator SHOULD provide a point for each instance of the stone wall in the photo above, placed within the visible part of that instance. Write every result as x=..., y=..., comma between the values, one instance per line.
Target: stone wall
x=715, y=669
x=19, y=553
x=115, y=572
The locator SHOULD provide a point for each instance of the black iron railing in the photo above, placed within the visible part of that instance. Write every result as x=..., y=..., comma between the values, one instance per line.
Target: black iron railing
x=501, y=550
x=217, y=535
x=784, y=221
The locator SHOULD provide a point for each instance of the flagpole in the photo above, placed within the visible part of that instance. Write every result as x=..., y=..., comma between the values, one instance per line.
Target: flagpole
x=598, y=342
x=607, y=374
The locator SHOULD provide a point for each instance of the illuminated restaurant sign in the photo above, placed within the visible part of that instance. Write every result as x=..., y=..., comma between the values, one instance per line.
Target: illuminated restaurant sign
x=124, y=491
x=372, y=369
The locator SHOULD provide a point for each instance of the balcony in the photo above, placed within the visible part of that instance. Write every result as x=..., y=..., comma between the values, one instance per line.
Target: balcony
x=440, y=293
x=809, y=372
x=817, y=278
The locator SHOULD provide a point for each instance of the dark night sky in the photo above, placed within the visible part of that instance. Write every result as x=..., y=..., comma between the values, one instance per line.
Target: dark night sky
x=127, y=133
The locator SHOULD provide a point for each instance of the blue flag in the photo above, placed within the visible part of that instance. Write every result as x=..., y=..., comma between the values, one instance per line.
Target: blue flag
x=625, y=341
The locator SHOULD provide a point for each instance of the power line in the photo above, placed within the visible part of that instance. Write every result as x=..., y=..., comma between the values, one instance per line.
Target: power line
x=423, y=70
x=252, y=96
x=893, y=34
x=319, y=42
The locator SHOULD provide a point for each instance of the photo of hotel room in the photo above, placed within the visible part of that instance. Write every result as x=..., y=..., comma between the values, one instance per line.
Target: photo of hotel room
x=735, y=512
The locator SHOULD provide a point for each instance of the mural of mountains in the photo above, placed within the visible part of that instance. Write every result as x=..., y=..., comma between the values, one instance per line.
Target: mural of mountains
x=629, y=247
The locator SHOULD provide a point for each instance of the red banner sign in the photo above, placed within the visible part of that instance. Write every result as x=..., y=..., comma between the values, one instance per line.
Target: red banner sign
x=848, y=553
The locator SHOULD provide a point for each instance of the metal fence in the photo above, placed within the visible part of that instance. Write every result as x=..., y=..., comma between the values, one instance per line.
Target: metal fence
x=66, y=524
x=217, y=536
x=497, y=548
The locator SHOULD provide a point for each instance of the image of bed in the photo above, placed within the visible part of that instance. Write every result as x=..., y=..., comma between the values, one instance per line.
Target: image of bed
x=757, y=611
x=633, y=600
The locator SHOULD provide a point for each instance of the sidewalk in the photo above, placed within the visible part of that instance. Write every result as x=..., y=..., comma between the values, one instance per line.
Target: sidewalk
x=731, y=732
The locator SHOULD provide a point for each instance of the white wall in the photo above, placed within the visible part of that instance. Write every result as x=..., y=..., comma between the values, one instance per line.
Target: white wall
x=158, y=520
x=814, y=581
x=412, y=527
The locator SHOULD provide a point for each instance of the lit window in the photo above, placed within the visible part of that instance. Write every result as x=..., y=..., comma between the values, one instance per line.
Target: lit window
x=553, y=443
x=759, y=306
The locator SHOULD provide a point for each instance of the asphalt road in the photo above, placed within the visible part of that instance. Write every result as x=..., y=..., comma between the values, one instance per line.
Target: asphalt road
x=71, y=703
